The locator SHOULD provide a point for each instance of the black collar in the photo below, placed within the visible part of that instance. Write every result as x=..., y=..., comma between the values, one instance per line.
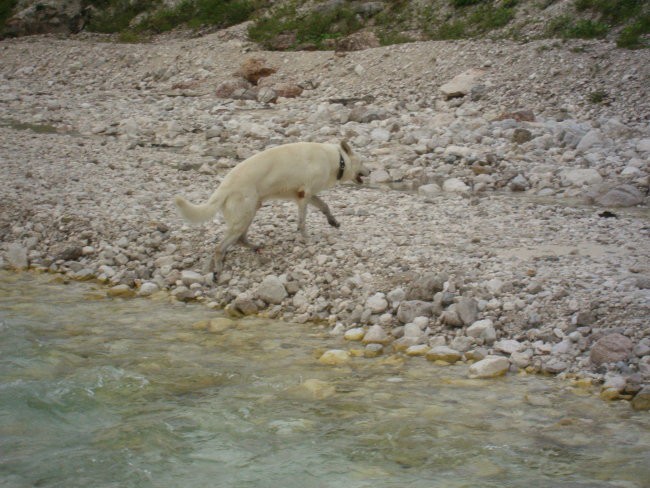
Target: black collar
x=339, y=175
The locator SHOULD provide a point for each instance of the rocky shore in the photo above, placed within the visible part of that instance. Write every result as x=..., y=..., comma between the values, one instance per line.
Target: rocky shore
x=505, y=222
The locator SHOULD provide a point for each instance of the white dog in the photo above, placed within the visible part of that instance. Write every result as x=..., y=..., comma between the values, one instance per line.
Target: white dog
x=289, y=172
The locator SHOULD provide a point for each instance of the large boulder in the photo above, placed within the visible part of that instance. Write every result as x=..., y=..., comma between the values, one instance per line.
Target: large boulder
x=253, y=69
x=462, y=84
x=621, y=196
x=611, y=349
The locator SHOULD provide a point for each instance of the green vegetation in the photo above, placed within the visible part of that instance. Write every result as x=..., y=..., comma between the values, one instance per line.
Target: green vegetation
x=119, y=15
x=598, y=96
x=290, y=24
x=6, y=7
x=630, y=36
x=313, y=28
x=116, y=15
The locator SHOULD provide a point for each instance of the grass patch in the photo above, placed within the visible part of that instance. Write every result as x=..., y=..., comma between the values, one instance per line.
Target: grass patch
x=613, y=11
x=467, y=3
x=630, y=36
x=597, y=97
x=112, y=16
x=312, y=28
x=118, y=15
x=451, y=30
x=487, y=18
x=6, y=9
x=587, y=29
x=563, y=26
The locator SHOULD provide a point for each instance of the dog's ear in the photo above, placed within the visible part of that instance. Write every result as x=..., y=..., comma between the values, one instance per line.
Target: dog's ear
x=346, y=148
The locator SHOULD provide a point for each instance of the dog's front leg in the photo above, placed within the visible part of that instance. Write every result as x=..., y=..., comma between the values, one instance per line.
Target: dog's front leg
x=322, y=206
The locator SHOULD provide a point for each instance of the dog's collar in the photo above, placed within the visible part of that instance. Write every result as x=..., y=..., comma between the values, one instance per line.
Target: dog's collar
x=339, y=175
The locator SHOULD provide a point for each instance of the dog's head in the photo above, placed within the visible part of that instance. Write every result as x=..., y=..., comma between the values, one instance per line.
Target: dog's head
x=355, y=171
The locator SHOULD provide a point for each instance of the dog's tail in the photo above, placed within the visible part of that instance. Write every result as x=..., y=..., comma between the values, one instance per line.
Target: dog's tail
x=199, y=213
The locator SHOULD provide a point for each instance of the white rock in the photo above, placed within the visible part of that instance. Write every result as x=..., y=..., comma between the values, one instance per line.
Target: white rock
x=429, y=190
x=580, y=177
x=489, y=367
x=483, y=329
x=455, y=185
x=147, y=288
x=380, y=135
x=643, y=146
x=462, y=84
x=377, y=303
x=508, y=346
x=380, y=176
x=189, y=277
x=271, y=290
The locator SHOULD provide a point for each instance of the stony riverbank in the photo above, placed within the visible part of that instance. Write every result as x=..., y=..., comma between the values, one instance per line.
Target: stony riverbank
x=510, y=220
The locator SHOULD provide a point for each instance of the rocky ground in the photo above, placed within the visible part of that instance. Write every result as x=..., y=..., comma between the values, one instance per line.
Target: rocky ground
x=506, y=217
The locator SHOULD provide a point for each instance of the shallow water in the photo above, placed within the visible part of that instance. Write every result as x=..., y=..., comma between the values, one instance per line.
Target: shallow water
x=99, y=392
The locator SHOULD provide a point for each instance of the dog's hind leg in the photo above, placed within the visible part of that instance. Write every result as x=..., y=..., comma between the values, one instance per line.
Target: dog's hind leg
x=322, y=206
x=238, y=212
x=302, y=215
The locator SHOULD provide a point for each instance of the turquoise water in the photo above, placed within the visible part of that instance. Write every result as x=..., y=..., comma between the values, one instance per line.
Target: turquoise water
x=100, y=392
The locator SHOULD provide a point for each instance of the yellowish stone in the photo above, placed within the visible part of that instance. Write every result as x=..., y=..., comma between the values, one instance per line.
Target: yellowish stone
x=221, y=324
x=334, y=357
x=355, y=334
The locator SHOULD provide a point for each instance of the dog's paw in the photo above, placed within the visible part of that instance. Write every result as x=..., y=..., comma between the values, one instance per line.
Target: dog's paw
x=334, y=223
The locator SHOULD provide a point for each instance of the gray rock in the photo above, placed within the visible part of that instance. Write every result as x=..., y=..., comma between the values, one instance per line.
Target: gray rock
x=462, y=84
x=425, y=286
x=410, y=309
x=16, y=256
x=271, y=290
x=641, y=400
x=521, y=136
x=554, y=366
x=610, y=349
x=189, y=277
x=580, y=177
x=519, y=183
x=376, y=335
x=450, y=318
x=147, y=288
x=244, y=305
x=621, y=196
x=267, y=95
x=364, y=114
x=589, y=140
x=467, y=309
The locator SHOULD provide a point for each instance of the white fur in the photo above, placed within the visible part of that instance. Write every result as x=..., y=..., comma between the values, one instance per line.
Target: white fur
x=295, y=171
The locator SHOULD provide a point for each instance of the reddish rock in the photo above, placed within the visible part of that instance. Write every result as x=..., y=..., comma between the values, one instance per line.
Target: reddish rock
x=253, y=69
x=287, y=90
x=229, y=87
x=610, y=349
